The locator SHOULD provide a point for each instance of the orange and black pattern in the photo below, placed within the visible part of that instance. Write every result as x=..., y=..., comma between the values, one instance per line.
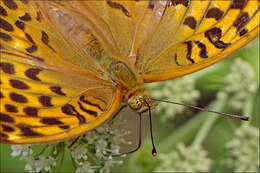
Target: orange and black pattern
x=42, y=98
x=56, y=75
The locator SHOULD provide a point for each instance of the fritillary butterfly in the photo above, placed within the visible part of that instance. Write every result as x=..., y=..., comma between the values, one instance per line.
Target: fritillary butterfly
x=66, y=66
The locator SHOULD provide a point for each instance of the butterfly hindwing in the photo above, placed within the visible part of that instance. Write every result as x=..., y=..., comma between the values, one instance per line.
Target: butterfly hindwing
x=50, y=121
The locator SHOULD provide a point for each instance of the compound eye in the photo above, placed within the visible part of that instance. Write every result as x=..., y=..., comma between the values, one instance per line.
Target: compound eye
x=135, y=103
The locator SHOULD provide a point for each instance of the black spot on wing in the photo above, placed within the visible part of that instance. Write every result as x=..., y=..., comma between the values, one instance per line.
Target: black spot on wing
x=28, y=36
x=243, y=32
x=3, y=12
x=191, y=22
x=70, y=110
x=28, y=131
x=203, y=49
x=117, y=5
x=57, y=90
x=241, y=21
x=176, y=59
x=38, y=16
x=6, y=118
x=7, y=128
x=3, y=135
x=45, y=101
x=1, y=95
x=189, y=51
x=10, y=4
x=19, y=98
x=88, y=111
x=51, y=121
x=5, y=37
x=32, y=73
x=18, y=84
x=64, y=127
x=45, y=40
x=238, y=4
x=19, y=24
x=214, y=34
x=214, y=13
x=25, y=17
x=11, y=108
x=31, y=49
x=6, y=25
x=7, y=67
x=183, y=2
x=45, y=37
x=31, y=111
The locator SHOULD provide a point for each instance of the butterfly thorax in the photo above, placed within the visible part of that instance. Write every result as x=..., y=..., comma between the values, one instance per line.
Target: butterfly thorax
x=131, y=86
x=126, y=78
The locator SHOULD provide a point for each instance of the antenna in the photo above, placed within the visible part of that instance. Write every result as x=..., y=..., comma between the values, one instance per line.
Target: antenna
x=245, y=118
x=154, y=153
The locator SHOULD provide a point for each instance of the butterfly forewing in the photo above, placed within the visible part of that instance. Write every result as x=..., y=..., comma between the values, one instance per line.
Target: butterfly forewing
x=46, y=96
x=120, y=26
x=194, y=41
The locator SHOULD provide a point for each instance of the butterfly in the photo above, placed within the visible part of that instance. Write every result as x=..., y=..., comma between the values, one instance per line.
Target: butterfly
x=67, y=66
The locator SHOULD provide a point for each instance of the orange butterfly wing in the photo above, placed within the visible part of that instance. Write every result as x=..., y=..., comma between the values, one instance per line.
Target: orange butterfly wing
x=192, y=35
x=46, y=94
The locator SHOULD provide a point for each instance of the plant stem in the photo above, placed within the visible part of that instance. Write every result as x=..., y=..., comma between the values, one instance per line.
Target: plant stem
x=42, y=151
x=92, y=158
x=203, y=132
x=211, y=119
x=248, y=106
x=73, y=162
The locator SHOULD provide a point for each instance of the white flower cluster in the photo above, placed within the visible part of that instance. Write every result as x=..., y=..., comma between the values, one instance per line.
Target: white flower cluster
x=180, y=90
x=91, y=153
x=95, y=149
x=185, y=159
x=240, y=83
x=34, y=163
x=243, y=150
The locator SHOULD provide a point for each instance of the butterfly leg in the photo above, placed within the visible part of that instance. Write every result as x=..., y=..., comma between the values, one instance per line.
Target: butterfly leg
x=74, y=141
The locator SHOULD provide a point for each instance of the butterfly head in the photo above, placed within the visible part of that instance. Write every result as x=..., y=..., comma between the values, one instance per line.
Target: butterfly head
x=141, y=102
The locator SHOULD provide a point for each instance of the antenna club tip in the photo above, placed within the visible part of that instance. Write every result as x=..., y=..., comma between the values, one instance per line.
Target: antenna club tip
x=245, y=118
x=154, y=153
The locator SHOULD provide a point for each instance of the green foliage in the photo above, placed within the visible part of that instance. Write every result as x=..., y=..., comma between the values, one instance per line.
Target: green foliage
x=186, y=159
x=243, y=150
